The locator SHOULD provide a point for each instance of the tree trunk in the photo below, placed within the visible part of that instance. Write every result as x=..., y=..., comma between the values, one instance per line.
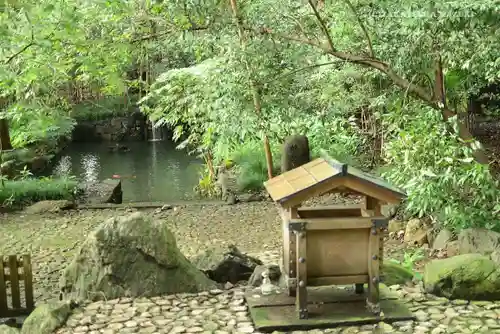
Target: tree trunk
x=5, y=143
x=255, y=92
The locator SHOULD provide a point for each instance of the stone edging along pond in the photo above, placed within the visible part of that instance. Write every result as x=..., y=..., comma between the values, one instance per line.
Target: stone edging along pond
x=147, y=205
x=166, y=206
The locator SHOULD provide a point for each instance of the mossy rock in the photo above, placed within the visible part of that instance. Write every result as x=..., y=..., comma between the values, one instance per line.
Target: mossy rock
x=131, y=256
x=467, y=276
x=4, y=329
x=394, y=273
x=46, y=318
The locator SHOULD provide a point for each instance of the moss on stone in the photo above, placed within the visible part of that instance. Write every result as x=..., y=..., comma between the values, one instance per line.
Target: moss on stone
x=394, y=273
x=4, y=329
x=468, y=276
x=46, y=318
x=131, y=256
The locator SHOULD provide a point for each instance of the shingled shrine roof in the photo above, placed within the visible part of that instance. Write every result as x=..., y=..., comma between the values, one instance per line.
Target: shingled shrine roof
x=326, y=174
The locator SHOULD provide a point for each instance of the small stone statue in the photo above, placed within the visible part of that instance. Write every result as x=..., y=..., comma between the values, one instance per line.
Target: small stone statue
x=267, y=287
x=227, y=185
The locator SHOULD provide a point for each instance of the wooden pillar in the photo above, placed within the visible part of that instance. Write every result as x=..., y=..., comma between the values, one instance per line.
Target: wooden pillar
x=375, y=255
x=289, y=252
x=301, y=300
x=374, y=269
x=374, y=205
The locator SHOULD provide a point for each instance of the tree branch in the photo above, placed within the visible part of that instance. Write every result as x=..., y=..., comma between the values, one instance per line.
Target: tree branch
x=323, y=25
x=363, y=27
x=15, y=55
x=27, y=46
x=163, y=33
x=303, y=69
x=413, y=89
x=361, y=60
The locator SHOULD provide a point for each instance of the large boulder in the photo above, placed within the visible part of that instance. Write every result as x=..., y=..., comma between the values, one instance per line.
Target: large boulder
x=226, y=264
x=467, y=276
x=47, y=317
x=478, y=240
x=130, y=256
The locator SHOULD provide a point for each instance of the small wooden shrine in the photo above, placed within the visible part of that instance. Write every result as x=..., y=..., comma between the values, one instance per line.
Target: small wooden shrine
x=334, y=245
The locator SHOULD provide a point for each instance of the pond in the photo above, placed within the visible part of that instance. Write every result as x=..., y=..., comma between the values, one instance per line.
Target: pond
x=150, y=171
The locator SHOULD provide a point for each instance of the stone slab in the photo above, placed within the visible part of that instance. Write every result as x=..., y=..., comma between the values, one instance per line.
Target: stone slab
x=328, y=307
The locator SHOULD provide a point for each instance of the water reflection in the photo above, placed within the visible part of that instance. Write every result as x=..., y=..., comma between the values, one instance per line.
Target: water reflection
x=90, y=165
x=151, y=171
x=63, y=168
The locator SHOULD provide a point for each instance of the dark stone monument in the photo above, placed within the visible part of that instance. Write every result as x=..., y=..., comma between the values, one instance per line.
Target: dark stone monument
x=295, y=152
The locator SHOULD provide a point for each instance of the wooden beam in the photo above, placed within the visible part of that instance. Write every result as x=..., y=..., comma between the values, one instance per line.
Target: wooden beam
x=314, y=224
x=313, y=191
x=372, y=190
x=329, y=212
x=337, y=280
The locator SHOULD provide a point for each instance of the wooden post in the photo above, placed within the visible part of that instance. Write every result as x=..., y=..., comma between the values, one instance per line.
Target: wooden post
x=291, y=264
x=374, y=269
x=28, y=283
x=301, y=300
x=3, y=290
x=14, y=282
x=374, y=205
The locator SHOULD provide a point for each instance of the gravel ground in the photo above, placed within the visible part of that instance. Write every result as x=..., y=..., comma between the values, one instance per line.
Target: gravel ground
x=255, y=228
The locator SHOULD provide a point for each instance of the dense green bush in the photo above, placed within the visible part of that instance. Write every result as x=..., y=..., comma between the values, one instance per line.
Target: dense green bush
x=108, y=107
x=250, y=165
x=439, y=172
x=32, y=124
x=16, y=193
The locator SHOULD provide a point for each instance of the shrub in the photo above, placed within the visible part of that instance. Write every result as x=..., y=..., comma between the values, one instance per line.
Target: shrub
x=439, y=173
x=34, y=124
x=108, y=107
x=250, y=163
x=15, y=193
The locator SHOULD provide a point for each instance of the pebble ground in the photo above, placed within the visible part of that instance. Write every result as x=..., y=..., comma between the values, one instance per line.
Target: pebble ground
x=52, y=239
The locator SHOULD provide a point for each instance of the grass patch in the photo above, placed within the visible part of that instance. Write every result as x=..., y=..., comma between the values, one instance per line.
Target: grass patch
x=17, y=193
x=250, y=161
x=106, y=108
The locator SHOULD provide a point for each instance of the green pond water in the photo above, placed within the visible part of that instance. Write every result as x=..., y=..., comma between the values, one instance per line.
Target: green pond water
x=150, y=171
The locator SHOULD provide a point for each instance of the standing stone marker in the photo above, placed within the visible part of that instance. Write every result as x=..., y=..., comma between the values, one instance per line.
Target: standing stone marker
x=295, y=152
